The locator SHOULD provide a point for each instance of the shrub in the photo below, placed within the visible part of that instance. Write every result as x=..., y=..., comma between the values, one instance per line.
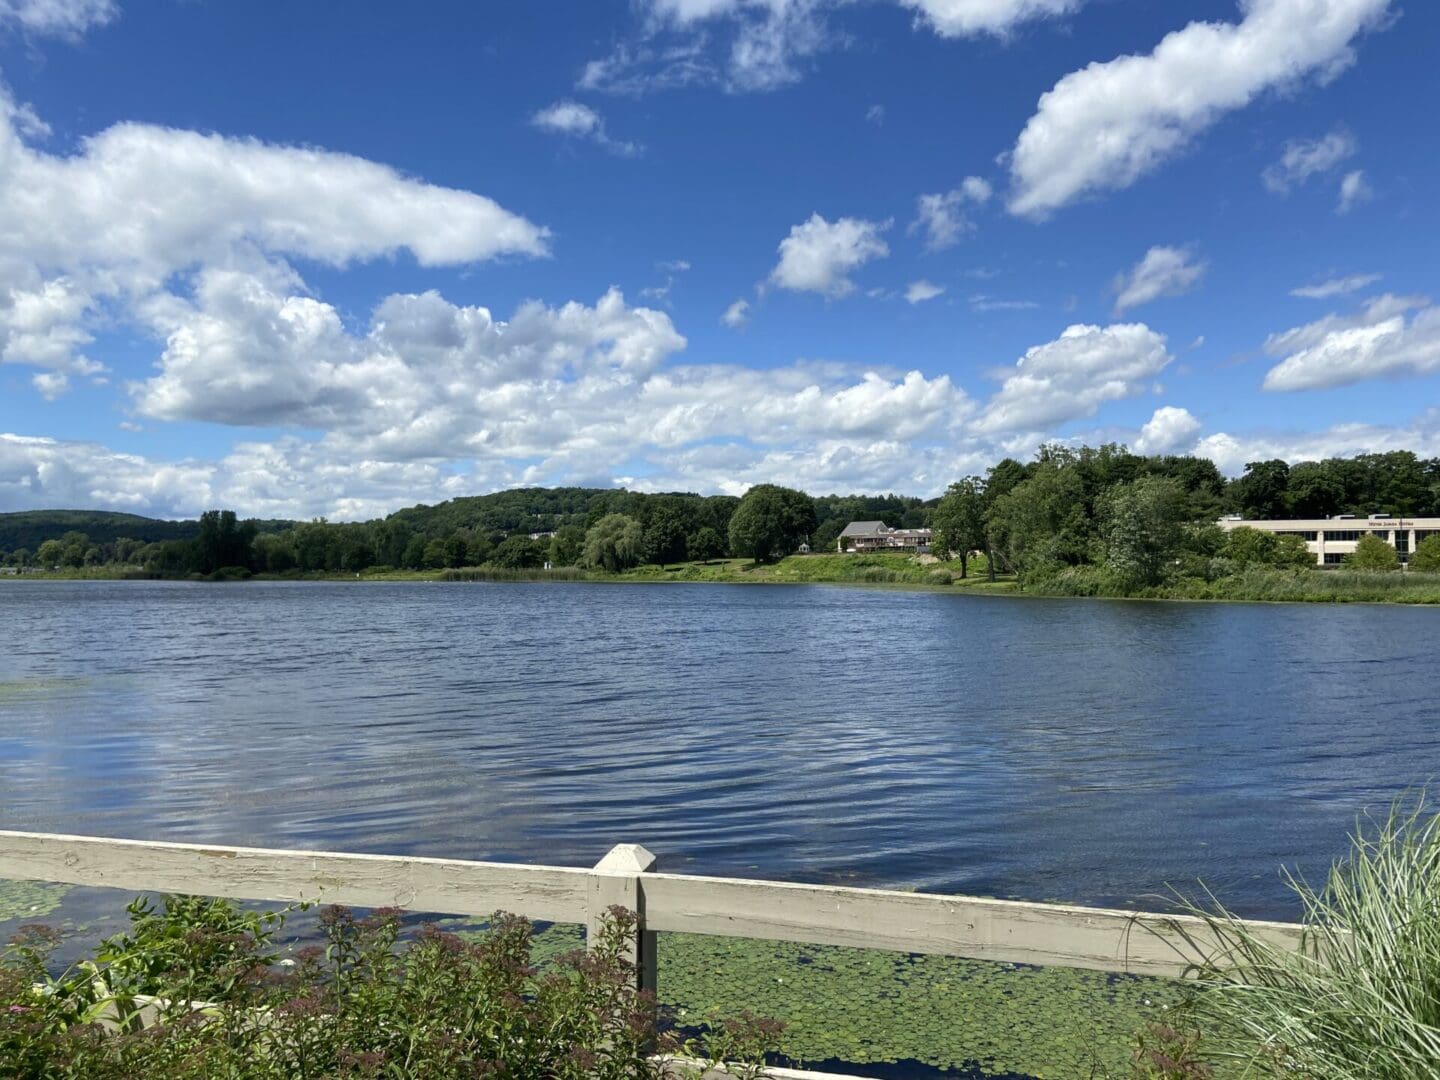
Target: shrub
x=361, y=1006
x=1426, y=558
x=1372, y=553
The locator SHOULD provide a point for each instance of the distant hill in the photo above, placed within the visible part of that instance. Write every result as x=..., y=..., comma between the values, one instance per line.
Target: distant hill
x=30, y=528
x=512, y=511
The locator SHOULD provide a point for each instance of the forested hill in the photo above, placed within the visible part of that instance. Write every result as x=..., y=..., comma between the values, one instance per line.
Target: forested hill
x=31, y=528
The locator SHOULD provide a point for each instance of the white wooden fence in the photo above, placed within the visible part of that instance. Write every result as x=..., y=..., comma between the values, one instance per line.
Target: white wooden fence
x=982, y=929
x=964, y=926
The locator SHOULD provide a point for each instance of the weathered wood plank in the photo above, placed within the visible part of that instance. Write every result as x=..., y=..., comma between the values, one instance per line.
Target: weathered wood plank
x=981, y=929
x=998, y=930
x=448, y=886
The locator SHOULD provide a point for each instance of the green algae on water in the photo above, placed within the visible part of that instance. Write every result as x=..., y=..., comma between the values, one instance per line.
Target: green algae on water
x=29, y=900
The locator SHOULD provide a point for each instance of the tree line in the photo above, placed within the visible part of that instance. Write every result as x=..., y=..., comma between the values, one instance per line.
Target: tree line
x=1135, y=517
x=1103, y=519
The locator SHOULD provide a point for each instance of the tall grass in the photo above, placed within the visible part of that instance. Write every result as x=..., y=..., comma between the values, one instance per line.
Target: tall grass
x=497, y=573
x=1253, y=584
x=1360, y=999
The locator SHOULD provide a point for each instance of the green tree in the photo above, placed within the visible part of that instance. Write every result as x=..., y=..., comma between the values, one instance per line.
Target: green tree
x=665, y=537
x=770, y=521
x=518, y=553
x=1142, y=525
x=1372, y=553
x=1038, y=527
x=435, y=556
x=414, y=557
x=567, y=546
x=50, y=555
x=224, y=541
x=1425, y=559
x=705, y=544
x=1262, y=492
x=614, y=543
x=959, y=521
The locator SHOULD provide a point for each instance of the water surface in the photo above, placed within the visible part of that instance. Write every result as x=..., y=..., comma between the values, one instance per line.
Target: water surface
x=1096, y=752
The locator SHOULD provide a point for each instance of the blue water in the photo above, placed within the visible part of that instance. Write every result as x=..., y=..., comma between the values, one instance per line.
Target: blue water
x=1086, y=751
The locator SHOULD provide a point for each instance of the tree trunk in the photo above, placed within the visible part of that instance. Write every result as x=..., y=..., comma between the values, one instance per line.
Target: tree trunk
x=964, y=565
x=990, y=563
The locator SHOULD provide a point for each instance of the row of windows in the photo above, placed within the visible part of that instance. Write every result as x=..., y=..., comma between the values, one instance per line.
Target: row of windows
x=1343, y=534
x=1308, y=535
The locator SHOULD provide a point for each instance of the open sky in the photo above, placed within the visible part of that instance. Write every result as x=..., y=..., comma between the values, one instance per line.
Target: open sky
x=304, y=259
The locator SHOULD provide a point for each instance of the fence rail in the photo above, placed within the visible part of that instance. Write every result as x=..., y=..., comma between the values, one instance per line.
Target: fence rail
x=963, y=926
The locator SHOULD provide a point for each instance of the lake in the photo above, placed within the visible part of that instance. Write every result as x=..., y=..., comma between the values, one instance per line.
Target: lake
x=1087, y=751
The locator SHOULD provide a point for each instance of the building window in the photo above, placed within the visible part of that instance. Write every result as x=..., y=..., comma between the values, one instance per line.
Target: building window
x=1308, y=535
x=1333, y=558
x=1342, y=534
x=1402, y=542
x=1383, y=534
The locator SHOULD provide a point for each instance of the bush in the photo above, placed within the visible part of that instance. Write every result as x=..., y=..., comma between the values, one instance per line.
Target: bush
x=1426, y=558
x=361, y=1006
x=1372, y=553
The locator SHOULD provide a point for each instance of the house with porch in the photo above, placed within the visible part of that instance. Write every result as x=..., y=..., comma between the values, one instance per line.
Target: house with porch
x=866, y=536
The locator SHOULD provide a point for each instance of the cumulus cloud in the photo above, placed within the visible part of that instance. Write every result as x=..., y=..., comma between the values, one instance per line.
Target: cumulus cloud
x=1340, y=286
x=1072, y=376
x=1354, y=190
x=1304, y=158
x=122, y=222
x=943, y=216
x=966, y=18
x=573, y=119
x=819, y=255
x=1108, y=124
x=57, y=18
x=1231, y=452
x=737, y=315
x=1167, y=430
x=920, y=291
x=1384, y=339
x=1164, y=271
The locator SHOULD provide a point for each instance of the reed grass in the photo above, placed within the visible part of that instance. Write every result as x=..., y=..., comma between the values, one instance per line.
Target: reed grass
x=1360, y=999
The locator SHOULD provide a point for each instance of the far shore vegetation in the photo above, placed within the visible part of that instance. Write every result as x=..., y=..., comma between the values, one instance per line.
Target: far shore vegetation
x=1093, y=521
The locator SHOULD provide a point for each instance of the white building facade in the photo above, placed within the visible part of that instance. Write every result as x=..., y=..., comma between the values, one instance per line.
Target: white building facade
x=1331, y=539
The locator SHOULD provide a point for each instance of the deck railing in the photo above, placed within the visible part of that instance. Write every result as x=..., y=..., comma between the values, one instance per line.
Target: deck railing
x=964, y=926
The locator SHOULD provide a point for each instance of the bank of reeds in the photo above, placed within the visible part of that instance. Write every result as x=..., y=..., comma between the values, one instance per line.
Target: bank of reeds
x=498, y=573
x=1254, y=584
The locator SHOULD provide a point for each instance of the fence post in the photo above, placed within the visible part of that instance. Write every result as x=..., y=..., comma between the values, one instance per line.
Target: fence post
x=616, y=880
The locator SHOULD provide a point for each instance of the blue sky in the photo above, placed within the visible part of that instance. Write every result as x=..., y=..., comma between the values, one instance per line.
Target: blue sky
x=336, y=259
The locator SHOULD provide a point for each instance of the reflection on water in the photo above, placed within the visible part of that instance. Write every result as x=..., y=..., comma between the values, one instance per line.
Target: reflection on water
x=1085, y=751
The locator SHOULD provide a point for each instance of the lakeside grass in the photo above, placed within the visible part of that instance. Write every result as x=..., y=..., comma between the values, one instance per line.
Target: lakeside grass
x=1255, y=585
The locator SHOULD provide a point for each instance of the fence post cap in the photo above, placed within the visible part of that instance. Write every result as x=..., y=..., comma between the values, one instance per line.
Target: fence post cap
x=627, y=859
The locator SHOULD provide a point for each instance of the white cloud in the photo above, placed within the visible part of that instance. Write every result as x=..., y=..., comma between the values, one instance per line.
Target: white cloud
x=1231, y=452
x=766, y=42
x=1168, y=429
x=1341, y=286
x=943, y=216
x=1072, y=376
x=1108, y=124
x=920, y=291
x=57, y=18
x=875, y=115
x=1164, y=271
x=1377, y=342
x=984, y=302
x=1354, y=190
x=965, y=18
x=571, y=118
x=819, y=255
x=109, y=230
x=1304, y=158
x=737, y=315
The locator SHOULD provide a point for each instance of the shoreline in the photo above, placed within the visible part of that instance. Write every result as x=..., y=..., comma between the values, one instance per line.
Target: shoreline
x=726, y=572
